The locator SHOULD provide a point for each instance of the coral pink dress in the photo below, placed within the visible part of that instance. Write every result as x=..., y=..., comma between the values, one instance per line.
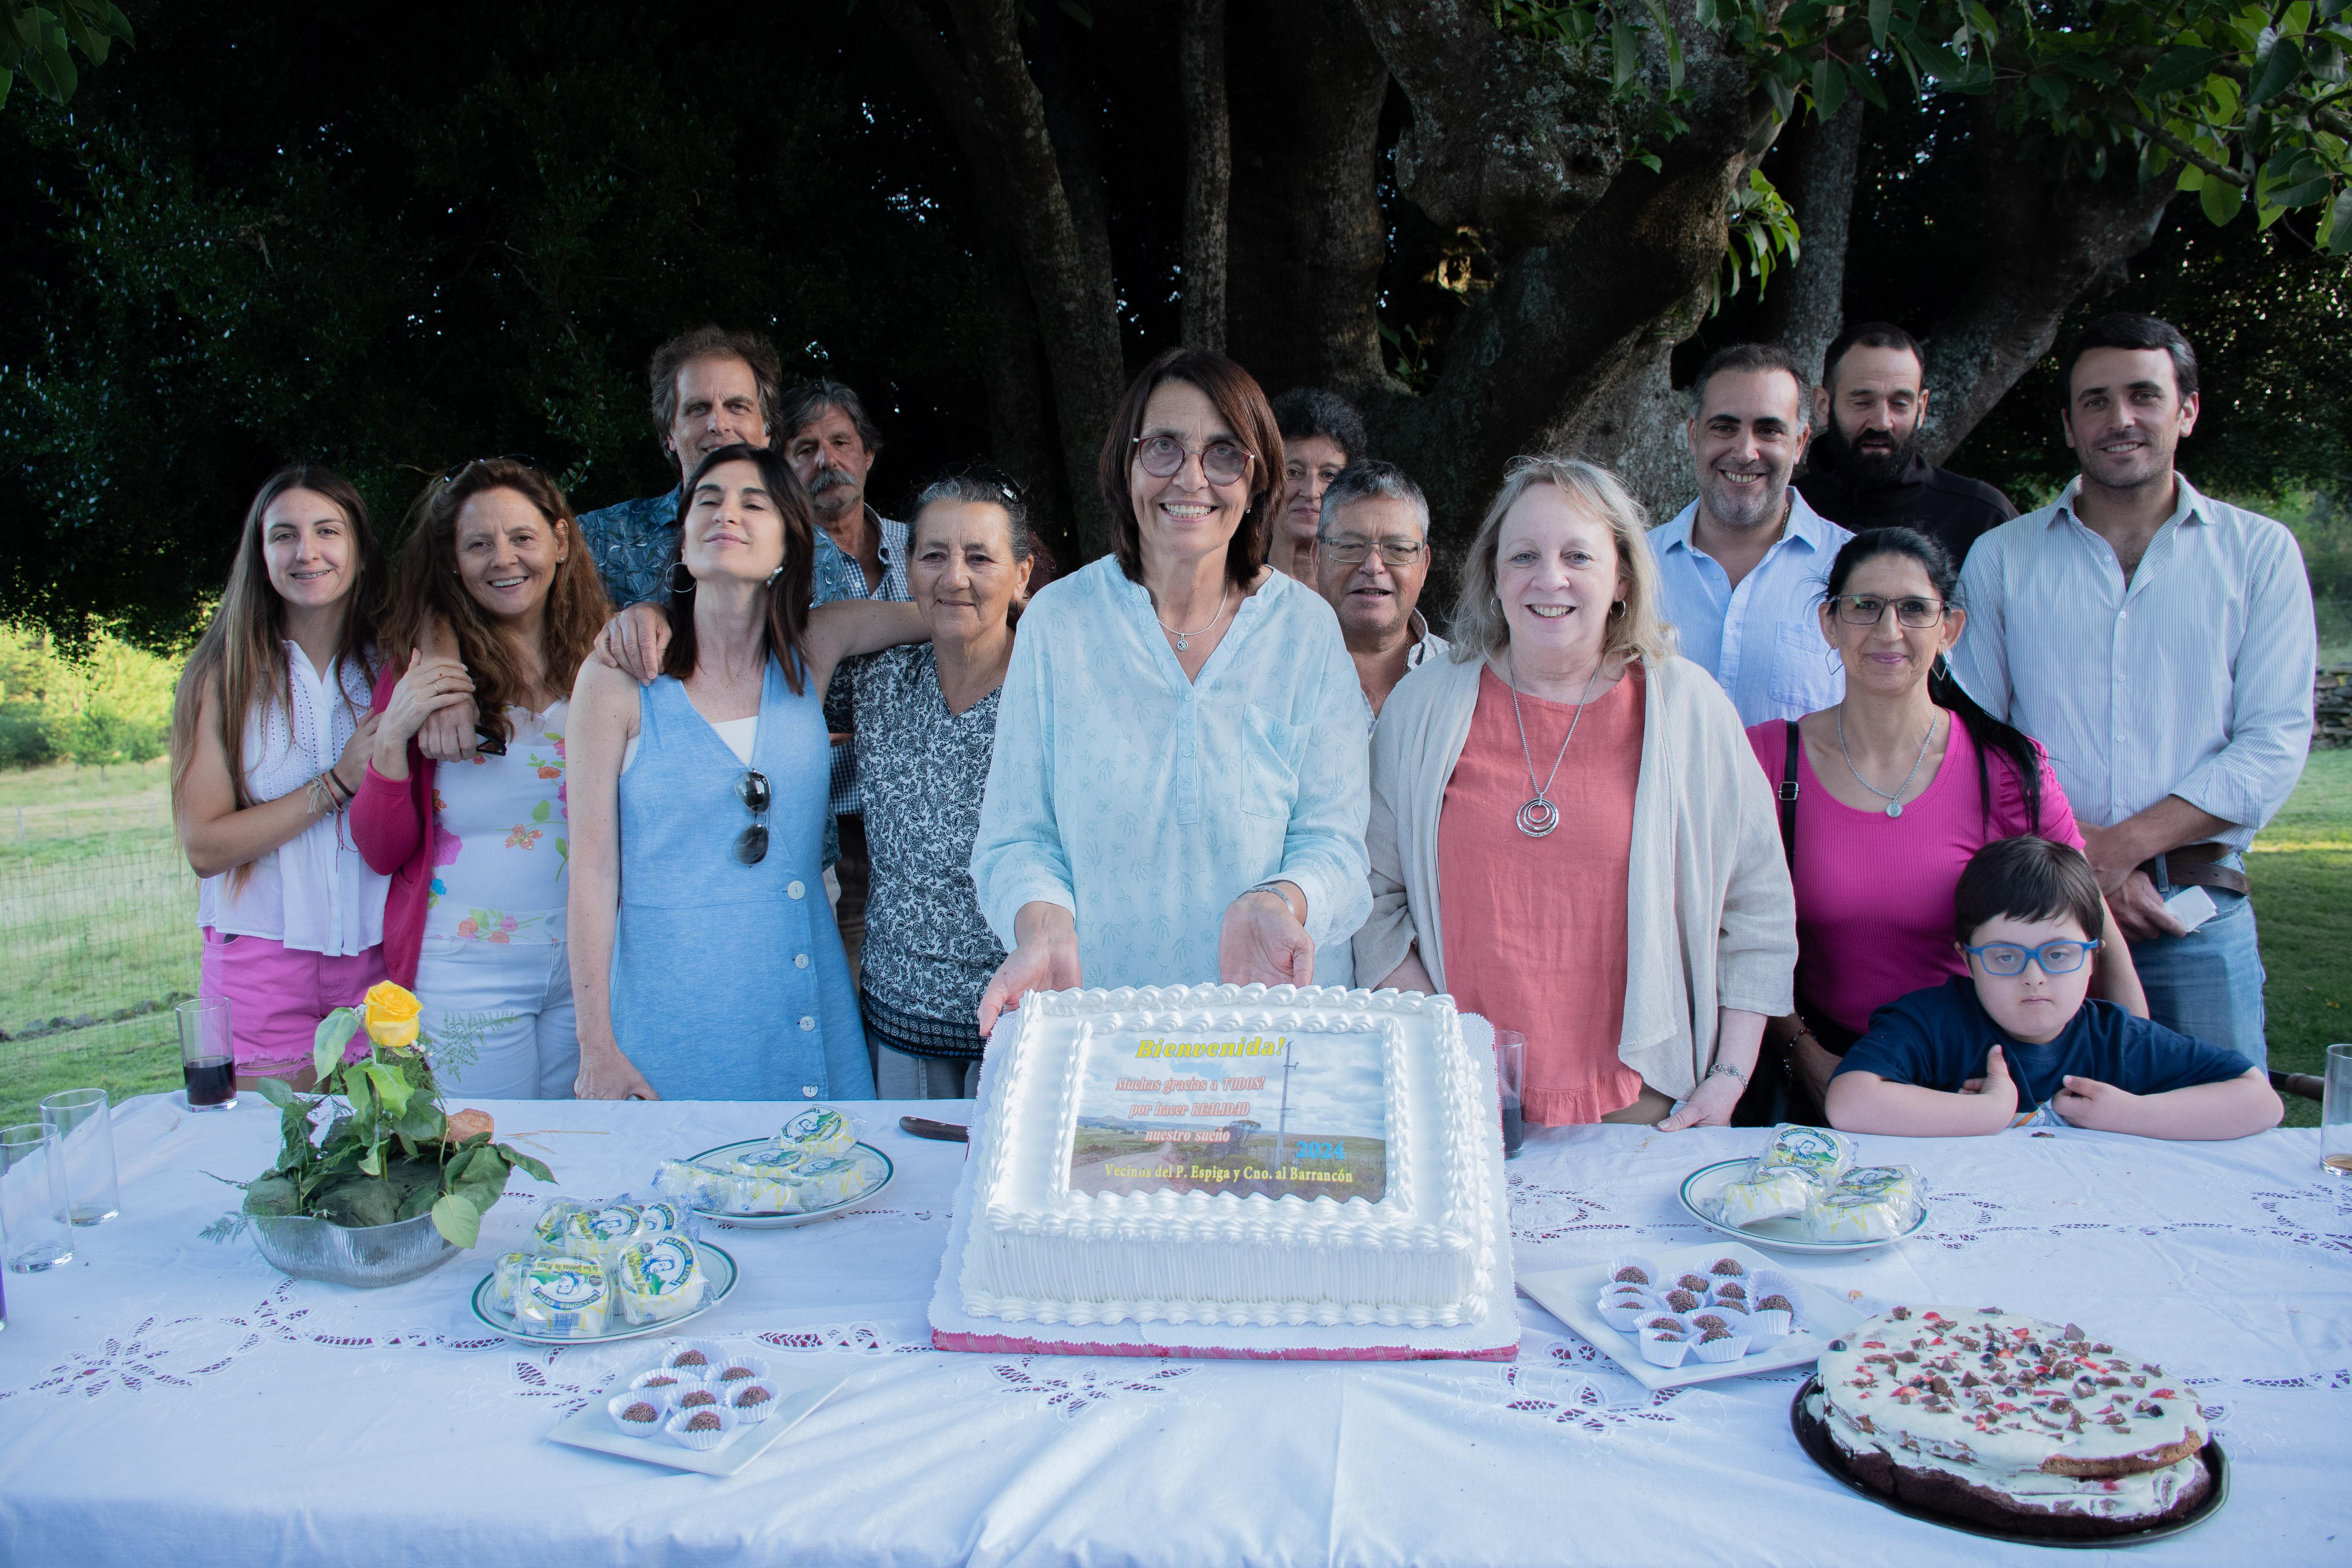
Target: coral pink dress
x=1535, y=929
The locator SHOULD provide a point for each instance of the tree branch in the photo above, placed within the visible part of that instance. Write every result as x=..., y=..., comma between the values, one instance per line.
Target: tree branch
x=2173, y=145
x=1208, y=170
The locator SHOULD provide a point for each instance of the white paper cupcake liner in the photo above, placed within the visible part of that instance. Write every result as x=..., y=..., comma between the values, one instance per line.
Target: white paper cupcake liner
x=1627, y=1318
x=1634, y=1261
x=695, y=1428
x=1723, y=1317
x=1664, y=1323
x=748, y=1366
x=700, y=1357
x=700, y=1396
x=756, y=1410
x=1734, y=1291
x=1663, y=1350
x=651, y=1397
x=1717, y=1351
x=1767, y=1327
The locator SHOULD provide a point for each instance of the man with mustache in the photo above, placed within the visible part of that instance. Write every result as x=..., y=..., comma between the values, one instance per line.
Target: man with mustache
x=1740, y=568
x=1865, y=470
x=2160, y=644
x=1321, y=434
x=831, y=445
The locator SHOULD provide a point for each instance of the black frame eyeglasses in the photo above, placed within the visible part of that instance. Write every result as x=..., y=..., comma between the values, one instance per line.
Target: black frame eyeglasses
x=1869, y=609
x=751, y=844
x=1222, y=461
x=449, y=475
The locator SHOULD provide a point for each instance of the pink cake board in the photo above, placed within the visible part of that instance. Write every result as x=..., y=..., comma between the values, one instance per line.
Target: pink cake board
x=1494, y=1337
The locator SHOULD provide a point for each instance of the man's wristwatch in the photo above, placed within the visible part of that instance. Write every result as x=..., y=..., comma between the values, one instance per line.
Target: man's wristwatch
x=1725, y=1069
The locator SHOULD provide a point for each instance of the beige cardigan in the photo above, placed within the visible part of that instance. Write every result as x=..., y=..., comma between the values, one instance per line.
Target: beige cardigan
x=1711, y=921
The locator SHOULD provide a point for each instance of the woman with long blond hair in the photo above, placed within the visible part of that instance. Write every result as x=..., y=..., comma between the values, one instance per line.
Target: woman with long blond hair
x=270, y=732
x=1568, y=833
x=479, y=850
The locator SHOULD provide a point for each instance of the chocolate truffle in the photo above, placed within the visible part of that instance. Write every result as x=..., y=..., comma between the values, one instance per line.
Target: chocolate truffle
x=1727, y=1269
x=707, y=1421
x=1632, y=1274
x=750, y=1396
x=699, y=1397
x=1775, y=1304
x=641, y=1412
x=735, y=1374
x=1682, y=1300
x=691, y=1358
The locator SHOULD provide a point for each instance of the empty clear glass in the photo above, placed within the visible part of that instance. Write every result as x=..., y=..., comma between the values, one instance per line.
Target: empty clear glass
x=81, y=1125
x=32, y=1199
x=2336, y=1112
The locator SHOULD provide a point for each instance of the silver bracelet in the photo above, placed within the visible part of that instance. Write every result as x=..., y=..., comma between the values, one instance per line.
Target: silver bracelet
x=1725, y=1069
x=1269, y=887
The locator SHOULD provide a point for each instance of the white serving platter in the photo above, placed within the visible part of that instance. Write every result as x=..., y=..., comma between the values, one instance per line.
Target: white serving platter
x=804, y=1383
x=1569, y=1294
x=1785, y=1234
x=718, y=1264
x=878, y=1174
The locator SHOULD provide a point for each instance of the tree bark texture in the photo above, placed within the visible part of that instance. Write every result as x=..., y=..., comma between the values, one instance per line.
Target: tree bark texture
x=2046, y=242
x=1307, y=240
x=1053, y=213
x=1806, y=307
x=1208, y=170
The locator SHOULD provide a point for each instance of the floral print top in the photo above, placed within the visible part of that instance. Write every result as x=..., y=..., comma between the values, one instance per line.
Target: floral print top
x=501, y=839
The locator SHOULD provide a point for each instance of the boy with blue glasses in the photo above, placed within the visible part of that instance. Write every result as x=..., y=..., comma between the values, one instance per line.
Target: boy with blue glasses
x=2016, y=1041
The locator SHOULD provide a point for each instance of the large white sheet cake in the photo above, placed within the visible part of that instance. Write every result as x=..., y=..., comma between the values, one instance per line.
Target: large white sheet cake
x=1240, y=1156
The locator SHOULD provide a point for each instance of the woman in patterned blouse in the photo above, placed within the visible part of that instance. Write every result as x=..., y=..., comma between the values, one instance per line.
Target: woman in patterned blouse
x=926, y=731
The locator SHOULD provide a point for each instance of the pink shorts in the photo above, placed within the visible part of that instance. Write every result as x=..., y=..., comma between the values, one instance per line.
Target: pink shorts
x=277, y=995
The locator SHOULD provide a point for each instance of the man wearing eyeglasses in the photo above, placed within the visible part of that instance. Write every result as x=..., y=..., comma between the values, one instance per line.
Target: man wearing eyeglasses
x=1371, y=559
x=1740, y=569
x=2160, y=644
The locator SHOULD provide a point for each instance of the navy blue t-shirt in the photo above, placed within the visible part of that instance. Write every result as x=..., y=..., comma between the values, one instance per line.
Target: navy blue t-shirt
x=1940, y=1037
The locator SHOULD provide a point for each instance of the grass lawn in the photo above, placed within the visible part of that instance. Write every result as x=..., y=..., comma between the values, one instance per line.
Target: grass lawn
x=2302, y=873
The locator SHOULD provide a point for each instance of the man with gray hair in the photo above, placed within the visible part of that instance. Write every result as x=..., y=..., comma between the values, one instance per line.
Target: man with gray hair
x=1370, y=560
x=1740, y=568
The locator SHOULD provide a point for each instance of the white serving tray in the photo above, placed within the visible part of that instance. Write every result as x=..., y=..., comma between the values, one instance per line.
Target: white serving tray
x=1569, y=1294
x=801, y=1385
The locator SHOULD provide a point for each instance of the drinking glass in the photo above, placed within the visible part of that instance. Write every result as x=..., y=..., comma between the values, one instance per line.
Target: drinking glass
x=207, y=1058
x=83, y=1132
x=32, y=1198
x=1510, y=1077
x=2336, y=1112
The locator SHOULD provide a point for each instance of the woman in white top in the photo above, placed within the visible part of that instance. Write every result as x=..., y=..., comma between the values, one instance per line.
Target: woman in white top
x=270, y=732
x=479, y=850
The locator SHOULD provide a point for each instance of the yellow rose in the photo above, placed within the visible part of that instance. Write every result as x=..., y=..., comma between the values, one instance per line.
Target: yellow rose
x=390, y=1015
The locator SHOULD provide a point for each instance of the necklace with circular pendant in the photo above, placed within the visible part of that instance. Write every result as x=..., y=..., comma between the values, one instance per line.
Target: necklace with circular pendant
x=1894, y=802
x=1538, y=817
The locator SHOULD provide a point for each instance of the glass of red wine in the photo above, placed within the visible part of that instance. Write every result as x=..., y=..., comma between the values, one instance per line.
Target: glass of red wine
x=1510, y=1078
x=207, y=1057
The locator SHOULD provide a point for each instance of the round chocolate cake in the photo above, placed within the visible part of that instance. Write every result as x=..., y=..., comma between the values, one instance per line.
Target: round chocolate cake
x=2012, y=1422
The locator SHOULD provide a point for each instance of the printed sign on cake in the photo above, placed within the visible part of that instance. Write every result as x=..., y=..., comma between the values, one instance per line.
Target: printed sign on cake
x=1289, y=1114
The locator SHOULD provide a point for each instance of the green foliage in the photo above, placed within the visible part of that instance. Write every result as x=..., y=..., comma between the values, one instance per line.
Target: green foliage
x=33, y=43
x=109, y=702
x=1763, y=235
x=386, y=1154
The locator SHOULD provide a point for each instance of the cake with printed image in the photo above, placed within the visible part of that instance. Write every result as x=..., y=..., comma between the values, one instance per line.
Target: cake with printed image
x=2012, y=1422
x=1224, y=1154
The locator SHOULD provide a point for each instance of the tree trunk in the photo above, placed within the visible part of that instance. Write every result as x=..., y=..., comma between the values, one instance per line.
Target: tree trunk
x=1307, y=240
x=2046, y=241
x=1208, y=170
x=1806, y=307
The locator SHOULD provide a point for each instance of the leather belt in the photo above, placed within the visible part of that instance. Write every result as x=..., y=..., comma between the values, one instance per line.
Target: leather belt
x=2197, y=866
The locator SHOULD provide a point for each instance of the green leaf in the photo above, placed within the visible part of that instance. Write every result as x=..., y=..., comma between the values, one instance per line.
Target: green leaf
x=420, y=1200
x=274, y=1090
x=334, y=1032
x=1829, y=87
x=2339, y=224
x=1624, y=54
x=457, y=1218
x=7, y=77
x=2276, y=73
x=1666, y=26
x=2221, y=200
x=1866, y=86
x=2177, y=70
x=362, y=1098
x=357, y=1201
x=273, y=1195
x=372, y=1160
x=1880, y=11
x=536, y=1168
x=2300, y=194
x=392, y=1087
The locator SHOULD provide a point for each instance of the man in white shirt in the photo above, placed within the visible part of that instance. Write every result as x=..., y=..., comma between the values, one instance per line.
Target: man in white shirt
x=1371, y=558
x=2160, y=644
x=1741, y=568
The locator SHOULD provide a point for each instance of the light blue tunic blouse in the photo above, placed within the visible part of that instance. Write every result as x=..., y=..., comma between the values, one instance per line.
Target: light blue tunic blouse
x=729, y=981
x=1145, y=803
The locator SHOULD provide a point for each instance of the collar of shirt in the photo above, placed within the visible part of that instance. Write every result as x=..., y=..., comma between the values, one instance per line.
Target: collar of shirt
x=1805, y=526
x=2187, y=505
x=1425, y=642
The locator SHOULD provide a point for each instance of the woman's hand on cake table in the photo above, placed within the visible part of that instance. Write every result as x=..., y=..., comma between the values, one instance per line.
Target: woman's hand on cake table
x=1045, y=958
x=607, y=1074
x=1738, y=1037
x=1709, y=1105
x=1264, y=942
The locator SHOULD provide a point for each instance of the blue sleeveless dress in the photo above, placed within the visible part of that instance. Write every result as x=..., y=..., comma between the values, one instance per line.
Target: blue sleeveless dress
x=729, y=981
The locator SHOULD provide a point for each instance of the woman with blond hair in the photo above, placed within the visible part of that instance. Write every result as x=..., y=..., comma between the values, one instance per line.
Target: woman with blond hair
x=1569, y=832
x=478, y=850
x=270, y=733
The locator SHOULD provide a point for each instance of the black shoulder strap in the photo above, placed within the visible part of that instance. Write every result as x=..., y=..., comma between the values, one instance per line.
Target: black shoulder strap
x=1788, y=800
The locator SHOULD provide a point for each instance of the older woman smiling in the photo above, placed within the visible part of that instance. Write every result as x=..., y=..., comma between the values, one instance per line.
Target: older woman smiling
x=1567, y=831
x=1178, y=789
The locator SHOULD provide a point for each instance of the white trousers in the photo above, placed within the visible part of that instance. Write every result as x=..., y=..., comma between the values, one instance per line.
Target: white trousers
x=512, y=1006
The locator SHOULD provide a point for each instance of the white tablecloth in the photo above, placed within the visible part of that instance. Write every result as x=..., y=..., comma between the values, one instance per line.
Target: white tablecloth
x=165, y=1400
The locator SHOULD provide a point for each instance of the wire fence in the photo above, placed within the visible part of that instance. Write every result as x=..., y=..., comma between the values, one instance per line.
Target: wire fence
x=98, y=940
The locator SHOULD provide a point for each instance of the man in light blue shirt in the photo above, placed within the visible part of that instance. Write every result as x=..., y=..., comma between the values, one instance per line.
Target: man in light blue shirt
x=1741, y=568
x=2160, y=644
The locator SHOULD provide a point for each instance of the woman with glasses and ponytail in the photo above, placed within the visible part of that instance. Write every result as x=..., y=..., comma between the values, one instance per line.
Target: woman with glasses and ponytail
x=1884, y=799
x=270, y=732
x=706, y=964
x=1177, y=794
x=479, y=849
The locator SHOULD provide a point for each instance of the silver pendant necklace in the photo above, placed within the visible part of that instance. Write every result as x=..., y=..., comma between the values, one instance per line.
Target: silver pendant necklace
x=1894, y=802
x=1185, y=639
x=1539, y=816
